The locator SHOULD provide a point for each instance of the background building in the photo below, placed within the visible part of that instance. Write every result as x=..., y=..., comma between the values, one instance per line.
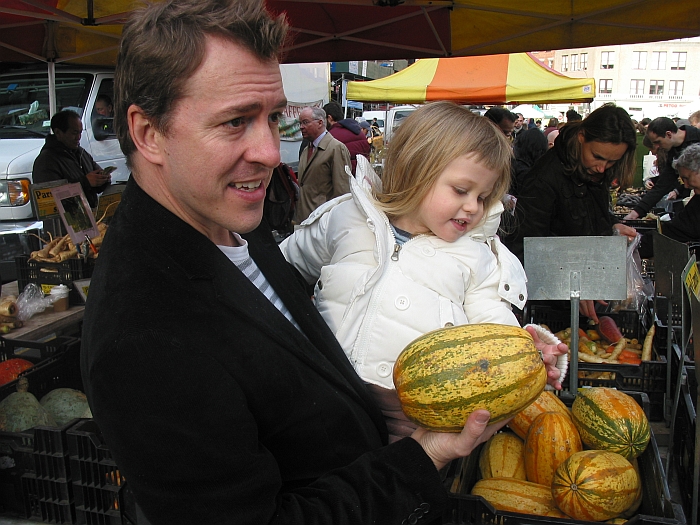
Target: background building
x=649, y=80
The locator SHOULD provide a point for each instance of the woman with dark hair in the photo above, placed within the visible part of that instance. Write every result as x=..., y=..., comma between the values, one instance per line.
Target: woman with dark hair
x=551, y=126
x=529, y=147
x=567, y=192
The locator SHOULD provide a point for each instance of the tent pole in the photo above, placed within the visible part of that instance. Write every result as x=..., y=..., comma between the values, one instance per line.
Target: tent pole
x=52, y=87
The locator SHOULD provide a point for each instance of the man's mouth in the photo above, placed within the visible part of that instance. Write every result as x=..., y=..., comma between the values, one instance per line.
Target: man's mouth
x=247, y=186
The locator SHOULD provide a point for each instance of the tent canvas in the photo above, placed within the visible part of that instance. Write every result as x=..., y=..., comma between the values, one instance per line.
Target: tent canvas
x=491, y=79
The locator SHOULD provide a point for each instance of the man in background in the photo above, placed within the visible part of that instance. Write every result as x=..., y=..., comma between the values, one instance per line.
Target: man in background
x=62, y=157
x=503, y=118
x=664, y=134
x=348, y=131
x=322, y=175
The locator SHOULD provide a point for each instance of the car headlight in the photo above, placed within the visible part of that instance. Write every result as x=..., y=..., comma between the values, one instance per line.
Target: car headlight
x=14, y=192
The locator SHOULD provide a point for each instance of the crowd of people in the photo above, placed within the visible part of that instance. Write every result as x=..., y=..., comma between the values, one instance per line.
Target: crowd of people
x=272, y=401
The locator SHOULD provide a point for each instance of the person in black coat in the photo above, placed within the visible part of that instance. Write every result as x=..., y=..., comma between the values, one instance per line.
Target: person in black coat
x=62, y=157
x=223, y=395
x=530, y=145
x=567, y=191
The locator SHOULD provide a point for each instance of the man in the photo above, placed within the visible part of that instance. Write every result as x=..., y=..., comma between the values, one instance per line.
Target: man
x=695, y=119
x=518, y=127
x=322, y=164
x=103, y=106
x=503, y=118
x=347, y=131
x=62, y=157
x=573, y=116
x=223, y=395
x=664, y=134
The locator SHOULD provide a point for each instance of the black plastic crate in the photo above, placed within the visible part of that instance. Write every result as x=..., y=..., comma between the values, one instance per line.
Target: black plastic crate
x=86, y=444
x=656, y=508
x=56, y=362
x=47, y=274
x=556, y=319
x=684, y=445
x=18, y=496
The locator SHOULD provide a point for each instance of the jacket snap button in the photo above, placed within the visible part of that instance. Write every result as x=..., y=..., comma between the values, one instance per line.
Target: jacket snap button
x=428, y=251
x=521, y=297
x=402, y=302
x=447, y=325
x=507, y=287
x=383, y=369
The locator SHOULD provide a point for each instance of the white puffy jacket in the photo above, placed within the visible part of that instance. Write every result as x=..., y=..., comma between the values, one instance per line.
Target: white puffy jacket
x=377, y=296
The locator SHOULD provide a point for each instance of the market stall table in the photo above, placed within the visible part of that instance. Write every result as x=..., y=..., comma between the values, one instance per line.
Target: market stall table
x=44, y=323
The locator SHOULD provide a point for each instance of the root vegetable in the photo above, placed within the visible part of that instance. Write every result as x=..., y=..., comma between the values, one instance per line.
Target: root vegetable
x=619, y=347
x=648, y=341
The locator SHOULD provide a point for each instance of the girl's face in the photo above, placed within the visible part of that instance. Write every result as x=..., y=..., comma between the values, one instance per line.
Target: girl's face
x=455, y=203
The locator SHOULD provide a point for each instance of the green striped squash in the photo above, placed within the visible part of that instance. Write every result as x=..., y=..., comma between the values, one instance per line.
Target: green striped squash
x=551, y=439
x=595, y=485
x=608, y=419
x=517, y=495
x=445, y=375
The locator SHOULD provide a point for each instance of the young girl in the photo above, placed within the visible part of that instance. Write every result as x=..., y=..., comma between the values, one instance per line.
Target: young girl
x=417, y=250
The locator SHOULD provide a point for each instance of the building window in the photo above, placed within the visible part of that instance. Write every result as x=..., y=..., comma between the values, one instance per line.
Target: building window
x=678, y=59
x=605, y=85
x=574, y=62
x=607, y=59
x=565, y=62
x=639, y=59
x=658, y=60
x=550, y=62
x=675, y=87
x=584, y=61
x=656, y=87
x=636, y=87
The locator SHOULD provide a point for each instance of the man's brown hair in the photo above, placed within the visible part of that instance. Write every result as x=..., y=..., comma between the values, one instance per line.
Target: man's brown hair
x=163, y=44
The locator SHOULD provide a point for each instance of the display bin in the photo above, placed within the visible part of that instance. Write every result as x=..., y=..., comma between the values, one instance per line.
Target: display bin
x=465, y=509
x=101, y=492
x=47, y=274
x=628, y=321
x=34, y=463
x=684, y=442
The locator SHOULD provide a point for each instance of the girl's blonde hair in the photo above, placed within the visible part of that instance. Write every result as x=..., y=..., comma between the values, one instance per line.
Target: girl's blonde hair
x=427, y=141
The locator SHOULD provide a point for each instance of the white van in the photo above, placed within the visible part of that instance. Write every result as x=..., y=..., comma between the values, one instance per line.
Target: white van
x=369, y=116
x=24, y=124
x=395, y=118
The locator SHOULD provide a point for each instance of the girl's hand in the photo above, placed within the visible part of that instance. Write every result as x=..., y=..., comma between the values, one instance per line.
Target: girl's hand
x=550, y=355
x=443, y=447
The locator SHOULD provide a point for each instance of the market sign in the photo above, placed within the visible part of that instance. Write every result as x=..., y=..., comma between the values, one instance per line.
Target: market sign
x=43, y=200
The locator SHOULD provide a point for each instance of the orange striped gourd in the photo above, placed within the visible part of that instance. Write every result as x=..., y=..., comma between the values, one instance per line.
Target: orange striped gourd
x=608, y=419
x=443, y=376
x=502, y=457
x=552, y=438
x=545, y=402
x=517, y=495
x=595, y=485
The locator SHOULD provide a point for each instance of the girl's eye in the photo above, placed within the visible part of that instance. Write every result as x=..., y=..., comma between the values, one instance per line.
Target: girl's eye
x=461, y=191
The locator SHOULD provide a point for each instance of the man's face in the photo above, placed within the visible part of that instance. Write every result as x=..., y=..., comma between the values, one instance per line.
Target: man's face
x=222, y=144
x=663, y=142
x=519, y=122
x=506, y=127
x=71, y=137
x=310, y=127
x=102, y=108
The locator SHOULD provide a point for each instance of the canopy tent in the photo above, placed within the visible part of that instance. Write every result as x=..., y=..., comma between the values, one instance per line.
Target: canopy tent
x=530, y=111
x=87, y=31
x=491, y=79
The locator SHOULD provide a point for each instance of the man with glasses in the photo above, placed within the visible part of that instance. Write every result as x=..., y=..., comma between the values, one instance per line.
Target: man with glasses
x=322, y=175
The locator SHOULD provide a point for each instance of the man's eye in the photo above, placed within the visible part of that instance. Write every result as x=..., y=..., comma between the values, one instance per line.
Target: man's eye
x=236, y=122
x=275, y=117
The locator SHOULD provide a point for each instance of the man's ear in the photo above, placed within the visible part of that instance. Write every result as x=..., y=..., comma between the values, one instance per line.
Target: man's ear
x=144, y=135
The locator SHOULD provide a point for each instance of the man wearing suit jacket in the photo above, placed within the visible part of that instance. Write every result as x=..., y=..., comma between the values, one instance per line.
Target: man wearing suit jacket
x=223, y=396
x=322, y=174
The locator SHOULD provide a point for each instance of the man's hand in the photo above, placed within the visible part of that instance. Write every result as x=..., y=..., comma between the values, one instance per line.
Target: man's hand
x=98, y=178
x=625, y=230
x=672, y=195
x=631, y=216
x=443, y=447
x=550, y=353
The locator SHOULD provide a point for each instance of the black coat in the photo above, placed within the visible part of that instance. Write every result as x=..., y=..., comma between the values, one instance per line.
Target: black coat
x=55, y=162
x=554, y=203
x=216, y=408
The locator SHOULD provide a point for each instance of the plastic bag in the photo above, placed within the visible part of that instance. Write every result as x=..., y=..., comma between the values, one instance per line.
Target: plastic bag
x=31, y=301
x=637, y=288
